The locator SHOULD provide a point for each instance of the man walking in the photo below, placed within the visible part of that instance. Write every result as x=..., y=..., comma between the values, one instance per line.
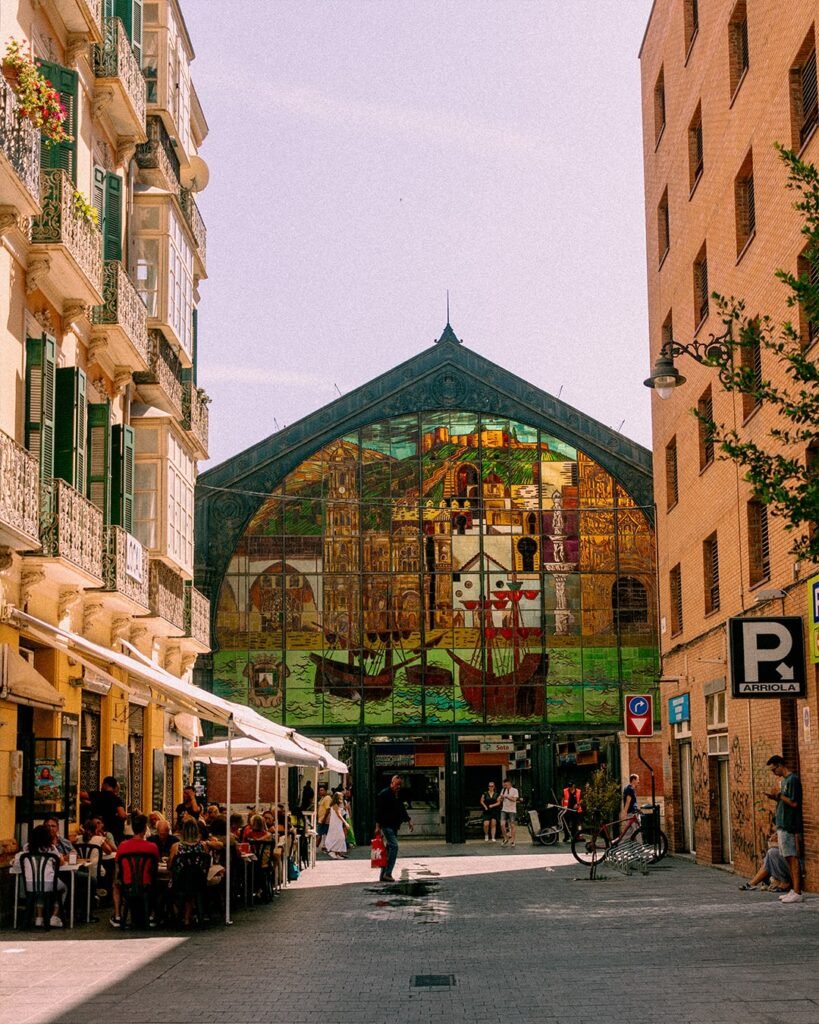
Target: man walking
x=572, y=802
x=390, y=814
x=509, y=810
x=322, y=816
x=788, y=821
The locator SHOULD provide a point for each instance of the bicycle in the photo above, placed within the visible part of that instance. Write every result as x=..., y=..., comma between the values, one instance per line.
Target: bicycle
x=588, y=847
x=549, y=834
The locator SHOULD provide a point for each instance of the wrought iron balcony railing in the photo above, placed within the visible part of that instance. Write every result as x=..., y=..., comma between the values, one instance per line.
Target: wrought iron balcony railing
x=19, y=143
x=61, y=223
x=157, y=156
x=70, y=527
x=125, y=565
x=123, y=307
x=162, y=380
x=114, y=58
x=166, y=594
x=197, y=616
x=195, y=222
x=19, y=490
x=195, y=414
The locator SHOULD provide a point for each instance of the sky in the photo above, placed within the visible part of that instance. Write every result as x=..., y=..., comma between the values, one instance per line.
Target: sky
x=366, y=156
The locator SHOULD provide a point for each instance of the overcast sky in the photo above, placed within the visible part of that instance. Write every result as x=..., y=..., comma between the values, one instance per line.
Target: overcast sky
x=368, y=155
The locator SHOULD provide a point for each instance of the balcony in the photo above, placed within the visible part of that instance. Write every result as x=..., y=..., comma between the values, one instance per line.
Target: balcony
x=157, y=159
x=120, y=325
x=19, y=497
x=19, y=157
x=80, y=17
x=71, y=535
x=65, y=261
x=197, y=619
x=195, y=416
x=119, y=94
x=160, y=385
x=166, y=598
x=125, y=571
x=198, y=229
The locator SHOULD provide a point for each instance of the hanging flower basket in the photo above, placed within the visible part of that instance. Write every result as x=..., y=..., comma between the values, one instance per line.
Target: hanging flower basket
x=37, y=99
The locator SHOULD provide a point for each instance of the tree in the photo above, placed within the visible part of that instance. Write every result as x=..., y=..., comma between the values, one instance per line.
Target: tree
x=783, y=468
x=601, y=800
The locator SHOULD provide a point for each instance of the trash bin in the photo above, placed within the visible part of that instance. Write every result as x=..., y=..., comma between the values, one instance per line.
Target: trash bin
x=650, y=824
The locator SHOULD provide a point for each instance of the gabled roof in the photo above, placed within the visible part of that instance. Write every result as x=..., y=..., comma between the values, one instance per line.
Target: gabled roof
x=445, y=376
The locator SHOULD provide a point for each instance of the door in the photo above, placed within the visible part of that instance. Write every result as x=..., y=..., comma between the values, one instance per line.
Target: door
x=724, y=790
x=687, y=798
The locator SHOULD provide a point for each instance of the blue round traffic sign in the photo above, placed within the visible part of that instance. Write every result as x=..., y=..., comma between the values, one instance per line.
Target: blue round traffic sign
x=638, y=706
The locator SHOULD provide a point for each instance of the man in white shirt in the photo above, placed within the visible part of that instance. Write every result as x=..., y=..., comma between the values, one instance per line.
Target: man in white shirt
x=510, y=797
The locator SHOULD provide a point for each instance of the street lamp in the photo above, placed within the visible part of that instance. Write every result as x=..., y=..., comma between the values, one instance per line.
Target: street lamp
x=717, y=352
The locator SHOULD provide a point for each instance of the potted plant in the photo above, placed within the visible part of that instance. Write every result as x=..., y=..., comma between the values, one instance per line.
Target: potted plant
x=601, y=804
x=37, y=99
x=85, y=209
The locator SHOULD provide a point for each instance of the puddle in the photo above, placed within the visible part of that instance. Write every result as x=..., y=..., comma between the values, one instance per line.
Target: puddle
x=404, y=892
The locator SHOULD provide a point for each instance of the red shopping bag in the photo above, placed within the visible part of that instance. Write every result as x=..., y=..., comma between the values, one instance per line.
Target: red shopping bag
x=378, y=853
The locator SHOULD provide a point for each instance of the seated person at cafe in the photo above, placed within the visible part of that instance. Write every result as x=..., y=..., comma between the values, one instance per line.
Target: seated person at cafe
x=93, y=833
x=136, y=844
x=186, y=851
x=60, y=844
x=164, y=839
x=41, y=841
x=256, y=829
x=236, y=826
x=190, y=805
x=107, y=804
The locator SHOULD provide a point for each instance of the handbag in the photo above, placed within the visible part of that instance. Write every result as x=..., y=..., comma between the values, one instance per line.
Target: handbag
x=292, y=871
x=378, y=853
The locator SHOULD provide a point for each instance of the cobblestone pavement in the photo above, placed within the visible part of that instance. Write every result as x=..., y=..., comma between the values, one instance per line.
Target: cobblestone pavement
x=476, y=933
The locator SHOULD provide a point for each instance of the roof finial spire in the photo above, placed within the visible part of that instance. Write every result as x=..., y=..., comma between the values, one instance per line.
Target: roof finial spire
x=447, y=307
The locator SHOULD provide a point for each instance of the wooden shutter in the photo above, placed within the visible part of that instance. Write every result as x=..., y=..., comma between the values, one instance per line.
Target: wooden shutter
x=111, y=222
x=63, y=155
x=71, y=427
x=41, y=364
x=122, y=477
x=98, y=195
x=99, y=457
x=130, y=14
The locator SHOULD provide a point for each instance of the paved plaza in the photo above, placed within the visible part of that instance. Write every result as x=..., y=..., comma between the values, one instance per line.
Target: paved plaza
x=470, y=933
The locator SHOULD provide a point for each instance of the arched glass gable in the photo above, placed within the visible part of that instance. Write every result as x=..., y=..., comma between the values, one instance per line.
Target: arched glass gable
x=440, y=569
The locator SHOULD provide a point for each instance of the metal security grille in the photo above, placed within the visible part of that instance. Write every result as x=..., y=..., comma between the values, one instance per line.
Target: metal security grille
x=167, y=799
x=809, y=97
x=672, y=493
x=136, y=720
x=701, y=285
x=711, y=573
x=759, y=551
x=675, y=586
x=90, y=743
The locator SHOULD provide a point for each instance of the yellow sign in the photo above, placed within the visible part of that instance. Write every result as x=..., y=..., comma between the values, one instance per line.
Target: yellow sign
x=813, y=619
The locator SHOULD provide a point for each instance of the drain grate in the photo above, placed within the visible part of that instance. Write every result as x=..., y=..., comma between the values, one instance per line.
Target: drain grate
x=433, y=981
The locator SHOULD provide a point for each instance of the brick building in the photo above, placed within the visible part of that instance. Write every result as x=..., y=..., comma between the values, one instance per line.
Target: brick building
x=721, y=82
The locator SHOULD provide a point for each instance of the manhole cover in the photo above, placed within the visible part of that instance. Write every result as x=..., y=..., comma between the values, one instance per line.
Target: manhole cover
x=433, y=981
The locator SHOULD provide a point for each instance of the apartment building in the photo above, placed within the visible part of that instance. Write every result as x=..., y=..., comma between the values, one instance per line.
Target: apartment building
x=721, y=83
x=102, y=420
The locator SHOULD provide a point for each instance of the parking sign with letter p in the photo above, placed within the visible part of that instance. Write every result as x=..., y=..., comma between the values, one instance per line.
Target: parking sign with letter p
x=767, y=657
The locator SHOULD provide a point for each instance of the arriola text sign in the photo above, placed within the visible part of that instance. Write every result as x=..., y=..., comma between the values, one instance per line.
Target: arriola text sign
x=767, y=657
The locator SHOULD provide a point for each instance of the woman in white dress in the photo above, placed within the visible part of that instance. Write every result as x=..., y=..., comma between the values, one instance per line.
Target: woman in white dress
x=335, y=842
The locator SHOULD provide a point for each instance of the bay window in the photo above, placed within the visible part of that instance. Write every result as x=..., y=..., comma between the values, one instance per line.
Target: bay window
x=163, y=493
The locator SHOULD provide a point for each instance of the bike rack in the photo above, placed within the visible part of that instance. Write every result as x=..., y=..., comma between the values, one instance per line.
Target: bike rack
x=629, y=856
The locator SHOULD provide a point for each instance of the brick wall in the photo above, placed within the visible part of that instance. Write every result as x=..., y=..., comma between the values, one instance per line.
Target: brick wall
x=737, y=127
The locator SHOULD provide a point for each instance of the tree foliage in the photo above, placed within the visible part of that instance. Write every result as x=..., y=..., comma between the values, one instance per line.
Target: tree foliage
x=783, y=466
x=601, y=799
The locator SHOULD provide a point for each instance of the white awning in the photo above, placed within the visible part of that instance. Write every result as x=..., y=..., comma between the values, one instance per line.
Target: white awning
x=21, y=683
x=250, y=751
x=329, y=763
x=174, y=692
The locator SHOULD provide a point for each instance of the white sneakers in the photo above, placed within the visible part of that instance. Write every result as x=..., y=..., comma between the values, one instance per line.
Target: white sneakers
x=792, y=897
x=55, y=922
x=486, y=839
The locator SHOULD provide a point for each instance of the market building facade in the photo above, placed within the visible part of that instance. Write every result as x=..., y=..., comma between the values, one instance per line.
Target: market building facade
x=446, y=573
x=721, y=83
x=102, y=421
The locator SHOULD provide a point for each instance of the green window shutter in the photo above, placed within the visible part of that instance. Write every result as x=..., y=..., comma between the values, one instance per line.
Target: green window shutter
x=98, y=195
x=111, y=222
x=41, y=365
x=71, y=427
x=129, y=13
x=122, y=477
x=99, y=457
x=64, y=154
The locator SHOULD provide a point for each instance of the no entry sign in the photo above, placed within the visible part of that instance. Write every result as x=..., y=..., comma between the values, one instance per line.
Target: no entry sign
x=639, y=715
